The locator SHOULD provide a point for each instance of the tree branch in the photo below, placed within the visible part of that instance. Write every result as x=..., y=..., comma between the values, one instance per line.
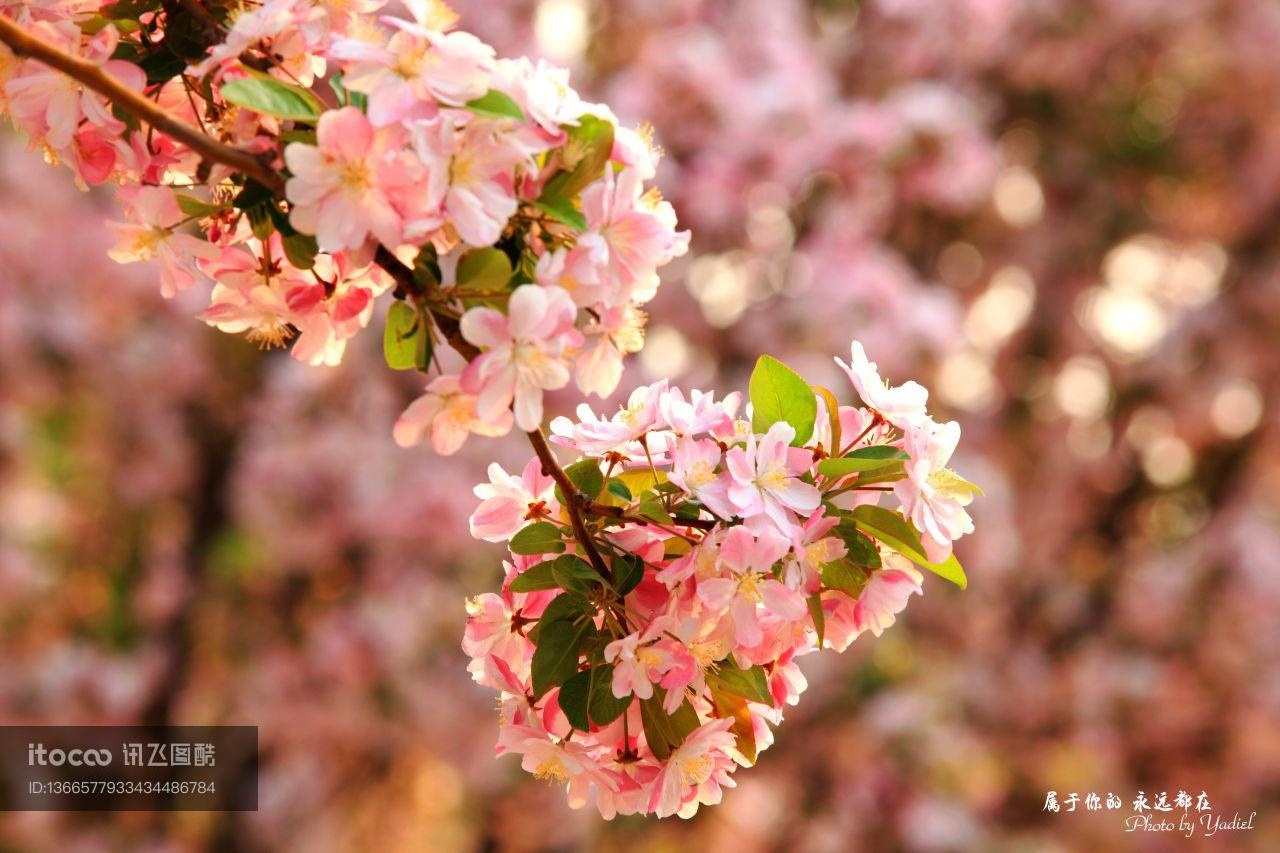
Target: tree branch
x=407, y=285
x=92, y=77
x=575, y=501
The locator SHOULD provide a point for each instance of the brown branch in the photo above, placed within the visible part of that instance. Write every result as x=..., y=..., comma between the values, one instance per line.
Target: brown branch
x=575, y=501
x=407, y=285
x=91, y=76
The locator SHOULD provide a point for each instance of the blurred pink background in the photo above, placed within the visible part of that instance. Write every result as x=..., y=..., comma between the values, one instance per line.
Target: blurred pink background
x=1062, y=217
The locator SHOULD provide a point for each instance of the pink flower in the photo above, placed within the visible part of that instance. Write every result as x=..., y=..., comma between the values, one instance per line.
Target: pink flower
x=489, y=634
x=558, y=762
x=524, y=352
x=326, y=321
x=418, y=66
x=472, y=183
x=449, y=415
x=695, y=772
x=901, y=406
x=575, y=271
x=342, y=188
x=700, y=413
x=886, y=594
x=252, y=292
x=294, y=28
x=933, y=496
x=694, y=462
x=876, y=608
x=765, y=478
x=619, y=332
x=508, y=503
x=542, y=90
x=636, y=418
x=638, y=660
x=153, y=213
x=750, y=584
x=632, y=232
x=812, y=548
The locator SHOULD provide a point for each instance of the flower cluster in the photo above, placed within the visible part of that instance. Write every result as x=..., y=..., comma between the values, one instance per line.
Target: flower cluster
x=641, y=667
x=516, y=214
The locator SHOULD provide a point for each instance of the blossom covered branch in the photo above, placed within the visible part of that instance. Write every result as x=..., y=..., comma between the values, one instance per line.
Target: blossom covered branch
x=304, y=159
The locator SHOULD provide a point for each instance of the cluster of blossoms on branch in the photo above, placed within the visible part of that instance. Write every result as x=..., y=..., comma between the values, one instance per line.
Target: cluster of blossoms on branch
x=303, y=158
x=516, y=215
x=641, y=665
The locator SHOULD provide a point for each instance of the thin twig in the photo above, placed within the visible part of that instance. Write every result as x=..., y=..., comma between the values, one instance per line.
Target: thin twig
x=574, y=500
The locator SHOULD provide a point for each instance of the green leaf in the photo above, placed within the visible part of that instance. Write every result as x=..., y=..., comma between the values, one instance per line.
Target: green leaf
x=555, y=659
x=96, y=24
x=484, y=270
x=889, y=472
x=950, y=569
x=495, y=104
x=301, y=250
x=588, y=698
x=897, y=533
x=198, y=207
x=666, y=731
x=748, y=683
x=162, y=66
x=406, y=340
x=862, y=551
x=586, y=153
x=574, y=573
x=654, y=510
x=542, y=537
x=535, y=578
x=603, y=706
x=818, y=616
x=844, y=576
x=260, y=220
x=563, y=210
x=779, y=394
x=628, y=571
x=728, y=706
x=252, y=195
x=585, y=474
x=305, y=135
x=573, y=698
x=565, y=607
x=264, y=94
x=862, y=459
x=619, y=490
x=891, y=529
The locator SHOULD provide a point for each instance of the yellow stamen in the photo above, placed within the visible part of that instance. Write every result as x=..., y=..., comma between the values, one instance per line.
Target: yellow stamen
x=695, y=770
x=271, y=332
x=551, y=769
x=772, y=478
